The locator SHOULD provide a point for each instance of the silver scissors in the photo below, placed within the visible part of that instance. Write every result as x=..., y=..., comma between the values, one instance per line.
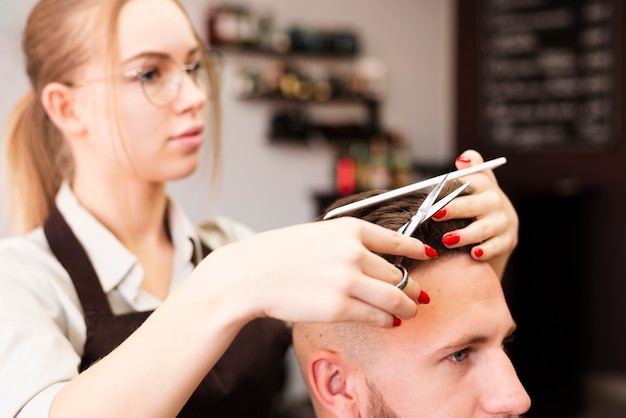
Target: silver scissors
x=426, y=210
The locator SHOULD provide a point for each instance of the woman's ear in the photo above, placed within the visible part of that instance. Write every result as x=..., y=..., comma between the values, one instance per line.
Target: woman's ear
x=58, y=101
x=334, y=385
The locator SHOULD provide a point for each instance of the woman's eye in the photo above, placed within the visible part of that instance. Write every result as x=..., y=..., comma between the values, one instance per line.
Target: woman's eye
x=193, y=69
x=149, y=75
x=459, y=356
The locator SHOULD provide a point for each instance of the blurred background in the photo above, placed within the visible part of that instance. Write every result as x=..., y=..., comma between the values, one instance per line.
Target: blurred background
x=330, y=97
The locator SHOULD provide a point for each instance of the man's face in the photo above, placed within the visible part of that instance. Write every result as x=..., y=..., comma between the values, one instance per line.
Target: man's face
x=449, y=360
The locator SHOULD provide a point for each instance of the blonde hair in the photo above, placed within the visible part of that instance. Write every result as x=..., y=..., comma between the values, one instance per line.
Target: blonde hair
x=55, y=46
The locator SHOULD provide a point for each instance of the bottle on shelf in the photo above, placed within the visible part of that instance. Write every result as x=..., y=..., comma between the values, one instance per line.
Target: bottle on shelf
x=241, y=27
x=401, y=161
x=360, y=154
x=345, y=175
x=381, y=161
x=379, y=165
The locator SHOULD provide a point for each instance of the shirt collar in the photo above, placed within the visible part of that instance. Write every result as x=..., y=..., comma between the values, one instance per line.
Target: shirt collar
x=184, y=234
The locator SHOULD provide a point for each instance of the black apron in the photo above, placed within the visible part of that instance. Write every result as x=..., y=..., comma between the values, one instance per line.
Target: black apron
x=246, y=380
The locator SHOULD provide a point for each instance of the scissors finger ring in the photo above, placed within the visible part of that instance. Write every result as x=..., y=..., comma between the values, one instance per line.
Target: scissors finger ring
x=405, y=276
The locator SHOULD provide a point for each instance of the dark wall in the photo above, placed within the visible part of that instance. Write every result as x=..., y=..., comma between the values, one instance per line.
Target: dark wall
x=566, y=280
x=547, y=290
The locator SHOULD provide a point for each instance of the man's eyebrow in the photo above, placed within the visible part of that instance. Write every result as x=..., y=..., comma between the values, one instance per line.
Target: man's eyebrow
x=468, y=340
x=158, y=54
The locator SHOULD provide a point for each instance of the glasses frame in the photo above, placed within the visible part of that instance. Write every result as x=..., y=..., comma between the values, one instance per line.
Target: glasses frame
x=212, y=59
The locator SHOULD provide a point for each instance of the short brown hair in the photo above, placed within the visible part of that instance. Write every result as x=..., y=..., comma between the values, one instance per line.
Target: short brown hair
x=393, y=213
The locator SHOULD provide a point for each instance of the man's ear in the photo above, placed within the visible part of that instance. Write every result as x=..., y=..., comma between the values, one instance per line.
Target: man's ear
x=335, y=385
x=58, y=101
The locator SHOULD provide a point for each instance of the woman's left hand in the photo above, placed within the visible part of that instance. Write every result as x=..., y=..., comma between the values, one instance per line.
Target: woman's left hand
x=495, y=229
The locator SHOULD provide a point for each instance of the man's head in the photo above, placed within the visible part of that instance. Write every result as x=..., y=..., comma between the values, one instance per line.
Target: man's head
x=448, y=361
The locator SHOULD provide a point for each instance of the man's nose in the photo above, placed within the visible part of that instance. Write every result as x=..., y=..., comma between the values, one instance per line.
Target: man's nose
x=503, y=392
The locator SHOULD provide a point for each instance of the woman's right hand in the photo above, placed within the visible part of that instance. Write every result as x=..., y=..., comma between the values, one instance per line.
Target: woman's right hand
x=317, y=272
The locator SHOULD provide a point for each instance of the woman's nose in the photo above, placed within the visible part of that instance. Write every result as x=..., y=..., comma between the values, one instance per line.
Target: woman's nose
x=503, y=392
x=192, y=94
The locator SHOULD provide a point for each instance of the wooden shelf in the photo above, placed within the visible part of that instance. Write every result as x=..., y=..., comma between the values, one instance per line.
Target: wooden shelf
x=277, y=98
x=253, y=50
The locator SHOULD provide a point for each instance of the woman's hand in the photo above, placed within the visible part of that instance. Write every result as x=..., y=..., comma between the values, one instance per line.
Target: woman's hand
x=317, y=272
x=496, y=227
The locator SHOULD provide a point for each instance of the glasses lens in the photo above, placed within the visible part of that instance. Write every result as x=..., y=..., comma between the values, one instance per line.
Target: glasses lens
x=161, y=80
x=198, y=71
x=207, y=73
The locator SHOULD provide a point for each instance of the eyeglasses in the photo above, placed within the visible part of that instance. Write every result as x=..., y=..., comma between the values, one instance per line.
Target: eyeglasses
x=161, y=78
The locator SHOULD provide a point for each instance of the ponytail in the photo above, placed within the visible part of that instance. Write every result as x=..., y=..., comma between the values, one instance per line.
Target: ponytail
x=33, y=164
x=35, y=158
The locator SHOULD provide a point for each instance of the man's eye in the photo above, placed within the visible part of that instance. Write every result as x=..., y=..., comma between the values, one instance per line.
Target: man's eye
x=508, y=341
x=459, y=356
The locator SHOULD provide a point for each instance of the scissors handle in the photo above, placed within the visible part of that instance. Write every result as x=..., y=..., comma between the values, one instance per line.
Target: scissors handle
x=405, y=276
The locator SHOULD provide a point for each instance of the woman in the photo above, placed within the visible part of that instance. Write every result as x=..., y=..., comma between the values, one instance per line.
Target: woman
x=110, y=304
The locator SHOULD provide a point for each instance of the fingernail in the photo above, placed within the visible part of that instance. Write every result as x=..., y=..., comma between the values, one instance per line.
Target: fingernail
x=430, y=251
x=423, y=298
x=451, y=239
x=463, y=159
x=396, y=322
x=440, y=214
x=478, y=252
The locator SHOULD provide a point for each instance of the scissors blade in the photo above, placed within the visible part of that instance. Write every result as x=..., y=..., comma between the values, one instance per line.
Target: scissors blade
x=422, y=212
x=437, y=206
x=441, y=203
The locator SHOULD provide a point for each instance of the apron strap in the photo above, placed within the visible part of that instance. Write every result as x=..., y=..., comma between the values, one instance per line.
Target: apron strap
x=69, y=251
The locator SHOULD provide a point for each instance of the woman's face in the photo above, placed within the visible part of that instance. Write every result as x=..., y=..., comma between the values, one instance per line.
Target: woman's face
x=156, y=142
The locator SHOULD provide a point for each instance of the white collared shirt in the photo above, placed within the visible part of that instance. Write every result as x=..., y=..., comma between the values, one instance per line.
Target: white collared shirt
x=42, y=328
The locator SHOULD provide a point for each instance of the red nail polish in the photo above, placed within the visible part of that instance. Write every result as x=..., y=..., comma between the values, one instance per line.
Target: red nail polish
x=430, y=251
x=451, y=239
x=463, y=159
x=478, y=252
x=423, y=298
x=396, y=322
x=440, y=214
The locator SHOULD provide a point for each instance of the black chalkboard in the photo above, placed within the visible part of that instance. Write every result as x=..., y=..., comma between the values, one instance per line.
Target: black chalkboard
x=557, y=114
x=547, y=73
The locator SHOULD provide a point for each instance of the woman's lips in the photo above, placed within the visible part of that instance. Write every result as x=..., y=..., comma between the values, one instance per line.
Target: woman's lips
x=190, y=137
